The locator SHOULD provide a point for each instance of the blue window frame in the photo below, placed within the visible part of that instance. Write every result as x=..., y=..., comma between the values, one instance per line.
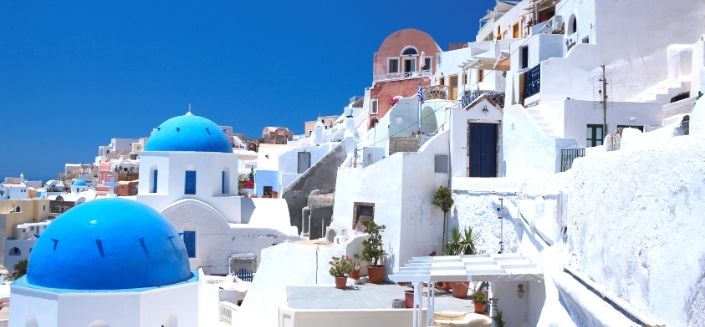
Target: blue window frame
x=190, y=183
x=153, y=188
x=224, y=182
x=190, y=242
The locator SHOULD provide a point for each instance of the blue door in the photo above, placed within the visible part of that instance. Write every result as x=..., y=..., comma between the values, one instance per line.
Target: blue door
x=482, y=139
x=190, y=242
x=190, y=185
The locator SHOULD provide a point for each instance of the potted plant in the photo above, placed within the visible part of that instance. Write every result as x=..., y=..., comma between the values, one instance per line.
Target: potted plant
x=443, y=199
x=373, y=251
x=479, y=300
x=355, y=268
x=339, y=267
x=460, y=243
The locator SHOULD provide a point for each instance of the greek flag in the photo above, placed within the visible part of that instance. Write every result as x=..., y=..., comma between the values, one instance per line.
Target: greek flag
x=420, y=93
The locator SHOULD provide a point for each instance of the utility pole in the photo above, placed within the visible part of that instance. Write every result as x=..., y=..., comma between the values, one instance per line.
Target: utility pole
x=604, y=103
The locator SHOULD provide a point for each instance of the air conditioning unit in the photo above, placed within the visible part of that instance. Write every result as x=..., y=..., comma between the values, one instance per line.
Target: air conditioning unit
x=557, y=24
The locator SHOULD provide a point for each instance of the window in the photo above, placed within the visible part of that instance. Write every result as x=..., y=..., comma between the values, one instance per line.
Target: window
x=304, y=162
x=15, y=251
x=153, y=181
x=267, y=191
x=572, y=25
x=426, y=63
x=190, y=182
x=374, y=109
x=515, y=31
x=480, y=75
x=441, y=163
x=442, y=80
x=224, y=187
x=410, y=51
x=499, y=33
x=393, y=66
x=361, y=212
x=190, y=243
x=18, y=209
x=595, y=135
x=640, y=128
x=524, y=54
x=465, y=77
x=409, y=65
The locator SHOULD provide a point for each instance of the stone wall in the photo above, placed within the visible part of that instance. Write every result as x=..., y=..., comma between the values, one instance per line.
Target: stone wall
x=403, y=144
x=320, y=176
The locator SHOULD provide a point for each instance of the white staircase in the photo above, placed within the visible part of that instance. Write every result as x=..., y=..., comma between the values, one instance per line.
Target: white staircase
x=663, y=91
x=541, y=121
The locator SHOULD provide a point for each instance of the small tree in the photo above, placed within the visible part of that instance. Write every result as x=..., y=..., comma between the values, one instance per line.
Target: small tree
x=443, y=199
x=373, y=248
x=20, y=269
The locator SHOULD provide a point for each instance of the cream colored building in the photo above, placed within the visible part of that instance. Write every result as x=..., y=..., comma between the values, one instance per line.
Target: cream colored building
x=16, y=212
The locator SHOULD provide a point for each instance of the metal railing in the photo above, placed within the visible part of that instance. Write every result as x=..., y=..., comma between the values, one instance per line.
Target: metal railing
x=570, y=154
x=403, y=75
x=226, y=312
x=470, y=96
x=532, y=81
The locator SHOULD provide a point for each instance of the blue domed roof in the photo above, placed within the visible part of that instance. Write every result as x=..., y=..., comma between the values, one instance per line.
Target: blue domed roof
x=79, y=182
x=108, y=244
x=188, y=133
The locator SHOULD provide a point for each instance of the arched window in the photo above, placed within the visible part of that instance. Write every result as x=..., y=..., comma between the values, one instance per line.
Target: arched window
x=572, y=25
x=153, y=177
x=409, y=51
x=18, y=209
x=190, y=182
x=15, y=251
x=224, y=182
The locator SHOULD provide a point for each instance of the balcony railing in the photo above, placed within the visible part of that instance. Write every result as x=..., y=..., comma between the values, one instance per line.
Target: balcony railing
x=403, y=75
x=436, y=92
x=532, y=81
x=470, y=96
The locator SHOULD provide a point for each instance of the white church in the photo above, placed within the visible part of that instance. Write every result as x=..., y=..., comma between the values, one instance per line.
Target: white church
x=189, y=173
x=108, y=262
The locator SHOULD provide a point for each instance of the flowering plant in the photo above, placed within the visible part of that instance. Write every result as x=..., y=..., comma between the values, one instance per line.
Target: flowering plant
x=340, y=266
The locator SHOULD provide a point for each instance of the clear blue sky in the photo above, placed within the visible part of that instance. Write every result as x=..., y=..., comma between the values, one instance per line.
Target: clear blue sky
x=74, y=74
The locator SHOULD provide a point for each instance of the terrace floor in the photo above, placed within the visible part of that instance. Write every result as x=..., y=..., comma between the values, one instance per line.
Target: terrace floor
x=366, y=296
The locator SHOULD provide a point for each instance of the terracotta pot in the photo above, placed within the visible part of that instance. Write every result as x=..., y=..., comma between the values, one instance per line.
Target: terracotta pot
x=479, y=307
x=409, y=299
x=460, y=290
x=340, y=282
x=375, y=274
x=447, y=286
x=355, y=274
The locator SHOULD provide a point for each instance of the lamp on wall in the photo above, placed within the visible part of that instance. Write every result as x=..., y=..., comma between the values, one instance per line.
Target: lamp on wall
x=520, y=291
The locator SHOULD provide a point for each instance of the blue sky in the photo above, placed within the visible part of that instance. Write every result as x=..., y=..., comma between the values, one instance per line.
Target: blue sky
x=73, y=76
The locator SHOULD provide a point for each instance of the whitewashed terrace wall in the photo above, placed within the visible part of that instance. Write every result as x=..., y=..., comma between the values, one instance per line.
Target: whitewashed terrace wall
x=635, y=226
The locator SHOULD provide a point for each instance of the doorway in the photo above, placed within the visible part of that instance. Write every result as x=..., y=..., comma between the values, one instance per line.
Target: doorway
x=482, y=141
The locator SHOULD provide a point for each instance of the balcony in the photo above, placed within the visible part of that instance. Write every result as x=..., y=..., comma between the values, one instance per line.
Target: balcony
x=532, y=81
x=436, y=92
x=402, y=75
x=471, y=96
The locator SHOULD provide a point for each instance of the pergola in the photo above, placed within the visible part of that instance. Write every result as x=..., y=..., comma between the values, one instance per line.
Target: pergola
x=509, y=267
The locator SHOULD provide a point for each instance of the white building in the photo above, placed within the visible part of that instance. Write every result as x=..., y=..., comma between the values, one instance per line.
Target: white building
x=189, y=173
x=111, y=262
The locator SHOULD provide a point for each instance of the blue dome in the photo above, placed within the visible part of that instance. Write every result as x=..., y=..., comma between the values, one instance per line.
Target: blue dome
x=188, y=133
x=79, y=182
x=108, y=244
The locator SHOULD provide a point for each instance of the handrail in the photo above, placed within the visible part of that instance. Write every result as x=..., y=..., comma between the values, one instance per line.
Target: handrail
x=402, y=75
